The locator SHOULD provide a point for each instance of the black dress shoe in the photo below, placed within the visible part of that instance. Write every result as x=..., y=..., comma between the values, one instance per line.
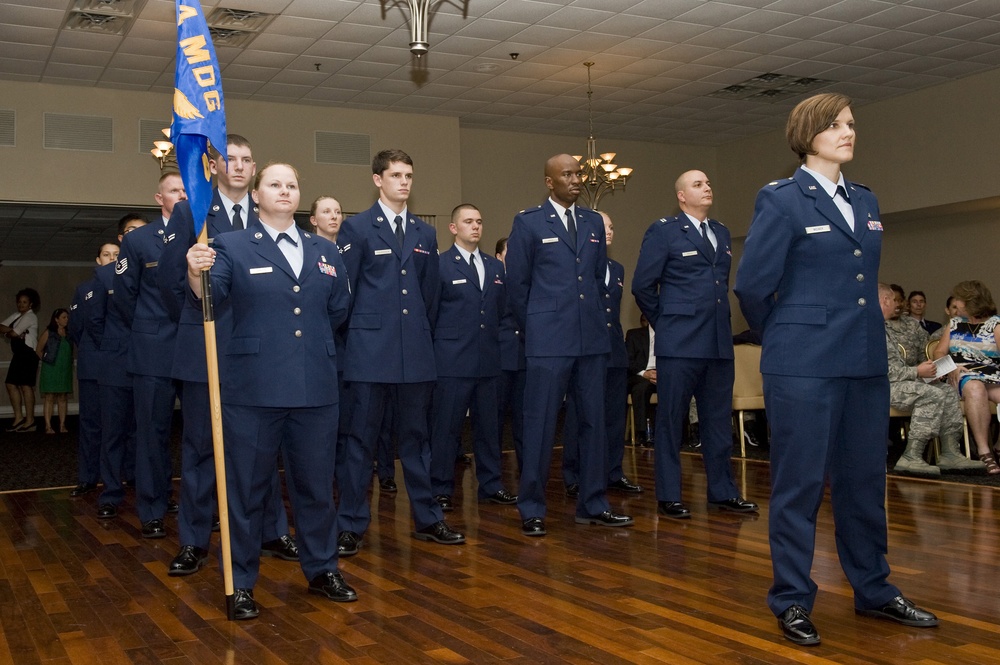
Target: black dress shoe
x=673, y=509
x=333, y=586
x=282, y=548
x=534, y=526
x=153, y=529
x=445, y=502
x=172, y=507
x=439, y=532
x=607, y=518
x=189, y=560
x=902, y=610
x=735, y=505
x=348, y=543
x=501, y=496
x=573, y=490
x=83, y=488
x=623, y=484
x=106, y=511
x=244, y=605
x=797, y=627
x=388, y=485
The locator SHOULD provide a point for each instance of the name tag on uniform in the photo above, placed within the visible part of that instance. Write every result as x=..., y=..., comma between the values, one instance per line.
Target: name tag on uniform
x=459, y=281
x=152, y=264
x=261, y=271
x=825, y=228
x=380, y=252
x=693, y=252
x=548, y=240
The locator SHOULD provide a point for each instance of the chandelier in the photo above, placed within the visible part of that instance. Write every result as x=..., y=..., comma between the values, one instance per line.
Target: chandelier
x=600, y=173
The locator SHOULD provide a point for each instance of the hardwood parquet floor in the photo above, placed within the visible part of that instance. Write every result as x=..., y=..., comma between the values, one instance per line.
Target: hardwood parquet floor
x=78, y=590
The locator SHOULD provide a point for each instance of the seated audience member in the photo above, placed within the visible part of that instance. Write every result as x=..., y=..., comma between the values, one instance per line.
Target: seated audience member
x=641, y=379
x=934, y=407
x=972, y=344
x=908, y=332
x=901, y=302
x=953, y=307
x=917, y=302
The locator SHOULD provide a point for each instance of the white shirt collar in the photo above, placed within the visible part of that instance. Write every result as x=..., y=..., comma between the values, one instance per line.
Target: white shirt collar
x=562, y=211
x=829, y=186
x=390, y=215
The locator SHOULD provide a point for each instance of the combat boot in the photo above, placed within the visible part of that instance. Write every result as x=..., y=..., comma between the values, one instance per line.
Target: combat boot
x=912, y=462
x=951, y=459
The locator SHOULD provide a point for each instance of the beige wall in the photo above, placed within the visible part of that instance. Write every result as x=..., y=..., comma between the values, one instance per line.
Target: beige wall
x=930, y=156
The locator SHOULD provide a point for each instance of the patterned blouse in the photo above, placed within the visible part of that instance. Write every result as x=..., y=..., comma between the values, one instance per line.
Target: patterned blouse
x=975, y=346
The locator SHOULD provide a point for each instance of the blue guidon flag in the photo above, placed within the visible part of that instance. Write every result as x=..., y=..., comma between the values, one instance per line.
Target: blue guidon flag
x=199, y=110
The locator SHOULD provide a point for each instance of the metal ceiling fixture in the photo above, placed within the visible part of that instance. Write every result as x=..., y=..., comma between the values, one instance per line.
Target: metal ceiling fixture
x=600, y=174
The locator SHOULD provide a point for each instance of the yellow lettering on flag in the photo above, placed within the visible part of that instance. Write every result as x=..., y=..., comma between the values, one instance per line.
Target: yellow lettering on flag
x=185, y=13
x=205, y=76
x=213, y=100
x=194, y=49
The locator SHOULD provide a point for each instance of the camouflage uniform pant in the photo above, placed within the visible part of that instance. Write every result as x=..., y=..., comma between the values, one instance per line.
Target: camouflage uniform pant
x=935, y=408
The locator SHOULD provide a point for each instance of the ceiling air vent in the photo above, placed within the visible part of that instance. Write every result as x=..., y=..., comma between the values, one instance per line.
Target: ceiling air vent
x=236, y=27
x=340, y=148
x=109, y=17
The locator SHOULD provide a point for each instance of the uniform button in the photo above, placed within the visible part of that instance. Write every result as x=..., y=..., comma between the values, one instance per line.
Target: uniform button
x=716, y=282
x=581, y=296
x=295, y=288
x=607, y=295
x=860, y=277
x=862, y=301
x=609, y=325
x=482, y=311
x=578, y=259
x=579, y=278
x=857, y=252
x=406, y=311
x=298, y=333
x=718, y=302
x=608, y=310
x=296, y=311
x=517, y=332
x=483, y=326
x=403, y=271
x=404, y=292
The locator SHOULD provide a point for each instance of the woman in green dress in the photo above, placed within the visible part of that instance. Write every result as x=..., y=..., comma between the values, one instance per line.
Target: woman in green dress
x=56, y=380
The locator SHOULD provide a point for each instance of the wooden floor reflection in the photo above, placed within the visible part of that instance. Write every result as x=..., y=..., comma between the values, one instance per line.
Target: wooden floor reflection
x=74, y=589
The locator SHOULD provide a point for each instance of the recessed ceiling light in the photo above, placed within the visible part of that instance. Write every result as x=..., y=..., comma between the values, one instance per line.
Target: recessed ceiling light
x=486, y=67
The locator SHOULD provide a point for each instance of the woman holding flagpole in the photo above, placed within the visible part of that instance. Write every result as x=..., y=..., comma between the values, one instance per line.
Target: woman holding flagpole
x=288, y=292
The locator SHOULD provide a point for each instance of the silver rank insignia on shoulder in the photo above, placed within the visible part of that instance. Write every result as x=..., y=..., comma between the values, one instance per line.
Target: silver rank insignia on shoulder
x=215, y=208
x=121, y=266
x=258, y=235
x=772, y=183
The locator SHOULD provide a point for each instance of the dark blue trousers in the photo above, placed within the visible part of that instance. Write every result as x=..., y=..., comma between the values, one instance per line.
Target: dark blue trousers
x=453, y=396
x=307, y=437
x=367, y=402
x=615, y=407
x=88, y=453
x=548, y=380
x=117, y=436
x=836, y=429
x=511, y=400
x=154, y=409
x=710, y=381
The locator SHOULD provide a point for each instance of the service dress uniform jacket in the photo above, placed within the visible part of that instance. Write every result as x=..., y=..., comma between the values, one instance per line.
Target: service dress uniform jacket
x=279, y=389
x=556, y=293
x=810, y=284
x=683, y=289
x=467, y=352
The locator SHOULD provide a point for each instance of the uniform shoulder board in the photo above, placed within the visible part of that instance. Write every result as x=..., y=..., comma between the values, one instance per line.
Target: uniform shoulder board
x=780, y=183
x=858, y=184
x=664, y=220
